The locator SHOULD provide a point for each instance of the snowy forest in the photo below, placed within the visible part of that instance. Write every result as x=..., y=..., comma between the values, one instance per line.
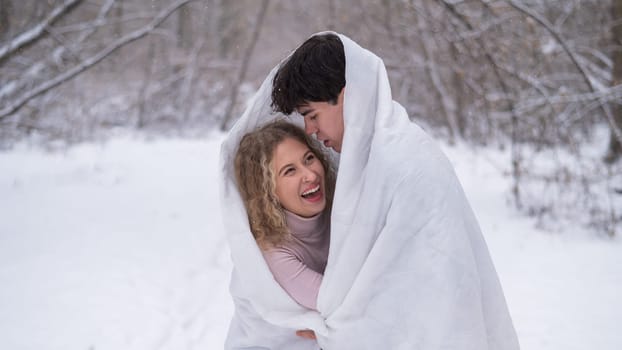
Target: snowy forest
x=541, y=79
x=112, y=114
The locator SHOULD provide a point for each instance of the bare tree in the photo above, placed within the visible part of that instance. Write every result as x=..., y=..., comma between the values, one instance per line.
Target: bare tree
x=437, y=83
x=615, y=142
x=5, y=14
x=538, y=77
x=616, y=131
x=38, y=30
x=184, y=27
x=21, y=100
x=247, y=57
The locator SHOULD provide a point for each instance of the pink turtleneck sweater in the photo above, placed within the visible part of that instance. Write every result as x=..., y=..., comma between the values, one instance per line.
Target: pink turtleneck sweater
x=298, y=264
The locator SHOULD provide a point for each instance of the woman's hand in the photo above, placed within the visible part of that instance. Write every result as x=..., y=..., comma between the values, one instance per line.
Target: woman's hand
x=307, y=334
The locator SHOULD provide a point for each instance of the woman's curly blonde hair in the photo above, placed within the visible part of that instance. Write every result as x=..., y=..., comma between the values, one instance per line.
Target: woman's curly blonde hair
x=256, y=180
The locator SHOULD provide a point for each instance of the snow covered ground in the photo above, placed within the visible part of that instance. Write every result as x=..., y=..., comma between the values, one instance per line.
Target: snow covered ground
x=120, y=245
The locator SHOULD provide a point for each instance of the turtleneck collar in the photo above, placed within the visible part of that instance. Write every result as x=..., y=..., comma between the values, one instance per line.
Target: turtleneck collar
x=305, y=227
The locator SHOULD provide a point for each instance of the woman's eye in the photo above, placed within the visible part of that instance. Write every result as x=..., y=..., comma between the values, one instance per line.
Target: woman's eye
x=289, y=171
x=310, y=158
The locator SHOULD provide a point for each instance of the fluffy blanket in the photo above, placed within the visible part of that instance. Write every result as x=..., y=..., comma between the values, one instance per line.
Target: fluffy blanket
x=408, y=267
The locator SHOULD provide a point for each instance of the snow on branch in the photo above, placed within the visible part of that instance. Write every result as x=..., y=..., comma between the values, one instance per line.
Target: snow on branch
x=451, y=7
x=247, y=57
x=37, y=31
x=549, y=27
x=91, y=61
x=103, y=12
x=573, y=57
x=612, y=95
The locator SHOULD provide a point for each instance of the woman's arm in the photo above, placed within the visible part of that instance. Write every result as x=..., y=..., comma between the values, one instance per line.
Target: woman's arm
x=299, y=281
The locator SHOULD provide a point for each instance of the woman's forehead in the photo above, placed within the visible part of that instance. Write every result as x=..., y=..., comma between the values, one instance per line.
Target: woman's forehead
x=289, y=149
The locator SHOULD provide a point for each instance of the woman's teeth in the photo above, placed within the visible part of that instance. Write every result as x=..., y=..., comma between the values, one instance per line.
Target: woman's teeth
x=311, y=191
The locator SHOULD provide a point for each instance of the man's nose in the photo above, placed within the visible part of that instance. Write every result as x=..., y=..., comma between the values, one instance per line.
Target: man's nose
x=310, y=129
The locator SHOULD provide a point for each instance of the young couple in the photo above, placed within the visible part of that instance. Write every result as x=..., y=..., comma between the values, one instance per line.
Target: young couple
x=365, y=241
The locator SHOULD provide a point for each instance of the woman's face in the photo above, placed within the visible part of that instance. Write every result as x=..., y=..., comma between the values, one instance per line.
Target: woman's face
x=299, y=178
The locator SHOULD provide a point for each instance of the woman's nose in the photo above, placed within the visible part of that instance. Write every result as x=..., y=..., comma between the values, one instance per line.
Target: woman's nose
x=309, y=175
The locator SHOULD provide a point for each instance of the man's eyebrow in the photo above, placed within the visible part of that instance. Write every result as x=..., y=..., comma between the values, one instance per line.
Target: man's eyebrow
x=305, y=112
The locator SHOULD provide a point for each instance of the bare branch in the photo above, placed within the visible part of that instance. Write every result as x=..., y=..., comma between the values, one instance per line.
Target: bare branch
x=100, y=22
x=91, y=61
x=612, y=95
x=103, y=12
x=549, y=27
x=190, y=77
x=516, y=171
x=447, y=106
x=37, y=31
x=526, y=78
x=573, y=57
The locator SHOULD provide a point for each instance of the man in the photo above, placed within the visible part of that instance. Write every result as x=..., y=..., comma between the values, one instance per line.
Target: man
x=408, y=267
x=312, y=82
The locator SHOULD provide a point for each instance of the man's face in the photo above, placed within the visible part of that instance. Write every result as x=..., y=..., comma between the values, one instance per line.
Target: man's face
x=325, y=120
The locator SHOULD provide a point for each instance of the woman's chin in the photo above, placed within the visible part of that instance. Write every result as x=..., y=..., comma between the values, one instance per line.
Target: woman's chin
x=311, y=208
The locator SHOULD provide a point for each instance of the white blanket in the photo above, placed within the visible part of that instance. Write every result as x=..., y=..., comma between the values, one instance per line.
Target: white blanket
x=408, y=267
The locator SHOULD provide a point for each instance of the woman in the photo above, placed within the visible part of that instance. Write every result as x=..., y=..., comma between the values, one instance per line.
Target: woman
x=286, y=185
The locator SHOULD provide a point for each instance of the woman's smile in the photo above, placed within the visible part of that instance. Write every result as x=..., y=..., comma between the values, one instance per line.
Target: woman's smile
x=314, y=194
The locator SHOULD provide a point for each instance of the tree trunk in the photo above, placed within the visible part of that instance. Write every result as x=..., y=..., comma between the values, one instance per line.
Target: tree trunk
x=458, y=84
x=184, y=27
x=5, y=15
x=615, y=146
x=436, y=80
x=142, y=93
x=332, y=14
x=247, y=57
x=229, y=27
x=118, y=14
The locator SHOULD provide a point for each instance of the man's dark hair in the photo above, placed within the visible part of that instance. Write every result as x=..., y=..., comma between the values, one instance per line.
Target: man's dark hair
x=315, y=72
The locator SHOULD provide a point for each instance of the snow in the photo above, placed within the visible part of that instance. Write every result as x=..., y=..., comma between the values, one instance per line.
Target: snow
x=119, y=245
x=563, y=289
